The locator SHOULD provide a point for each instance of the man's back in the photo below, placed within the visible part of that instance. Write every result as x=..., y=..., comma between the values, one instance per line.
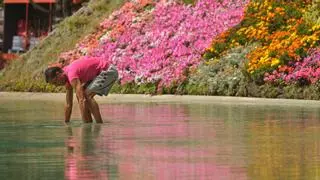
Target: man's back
x=85, y=69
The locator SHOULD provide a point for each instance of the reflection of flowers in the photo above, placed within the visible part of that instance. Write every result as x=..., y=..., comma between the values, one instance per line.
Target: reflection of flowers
x=147, y=41
x=160, y=141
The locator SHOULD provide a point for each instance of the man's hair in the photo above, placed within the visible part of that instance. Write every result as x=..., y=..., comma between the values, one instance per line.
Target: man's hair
x=51, y=72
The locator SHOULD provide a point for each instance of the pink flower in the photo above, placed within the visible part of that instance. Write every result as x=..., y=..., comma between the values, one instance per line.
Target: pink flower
x=161, y=44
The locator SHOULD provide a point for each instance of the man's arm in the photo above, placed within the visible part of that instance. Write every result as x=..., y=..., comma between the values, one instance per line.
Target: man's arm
x=68, y=105
x=76, y=84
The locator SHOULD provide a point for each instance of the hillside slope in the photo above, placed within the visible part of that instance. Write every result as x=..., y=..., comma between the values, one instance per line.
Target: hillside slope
x=26, y=73
x=210, y=47
x=155, y=44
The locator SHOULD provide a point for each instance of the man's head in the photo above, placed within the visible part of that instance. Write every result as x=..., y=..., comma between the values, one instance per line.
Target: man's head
x=56, y=76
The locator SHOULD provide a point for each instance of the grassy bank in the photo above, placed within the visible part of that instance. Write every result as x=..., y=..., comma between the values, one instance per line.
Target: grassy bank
x=26, y=73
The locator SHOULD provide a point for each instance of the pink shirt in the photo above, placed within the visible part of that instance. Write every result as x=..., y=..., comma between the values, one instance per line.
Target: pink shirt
x=85, y=68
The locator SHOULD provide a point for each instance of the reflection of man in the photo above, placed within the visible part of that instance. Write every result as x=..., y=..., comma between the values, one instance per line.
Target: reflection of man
x=82, y=158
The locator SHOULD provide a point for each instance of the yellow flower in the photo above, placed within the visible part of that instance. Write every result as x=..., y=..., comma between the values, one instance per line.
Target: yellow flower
x=246, y=32
x=314, y=38
x=241, y=30
x=263, y=59
x=315, y=27
x=275, y=62
x=260, y=23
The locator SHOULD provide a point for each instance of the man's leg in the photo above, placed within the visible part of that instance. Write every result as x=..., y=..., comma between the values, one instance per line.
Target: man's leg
x=88, y=113
x=88, y=118
x=100, y=85
x=94, y=107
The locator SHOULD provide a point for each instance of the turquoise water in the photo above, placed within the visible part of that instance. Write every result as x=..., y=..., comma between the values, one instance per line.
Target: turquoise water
x=160, y=141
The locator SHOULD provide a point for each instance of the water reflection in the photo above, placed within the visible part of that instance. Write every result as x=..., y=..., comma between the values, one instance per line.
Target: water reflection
x=147, y=141
x=285, y=148
x=161, y=141
x=85, y=158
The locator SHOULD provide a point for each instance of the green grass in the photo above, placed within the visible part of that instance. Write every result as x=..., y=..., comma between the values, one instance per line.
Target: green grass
x=26, y=73
x=189, y=1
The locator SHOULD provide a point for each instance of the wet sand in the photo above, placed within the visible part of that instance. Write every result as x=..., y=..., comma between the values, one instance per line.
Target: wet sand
x=137, y=98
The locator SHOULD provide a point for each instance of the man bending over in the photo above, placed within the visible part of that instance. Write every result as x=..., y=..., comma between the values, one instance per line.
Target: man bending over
x=88, y=76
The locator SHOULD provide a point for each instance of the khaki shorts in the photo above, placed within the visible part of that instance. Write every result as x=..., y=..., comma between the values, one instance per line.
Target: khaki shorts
x=102, y=84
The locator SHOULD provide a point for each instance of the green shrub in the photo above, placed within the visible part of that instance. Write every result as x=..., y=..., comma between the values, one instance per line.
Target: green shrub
x=75, y=23
x=224, y=76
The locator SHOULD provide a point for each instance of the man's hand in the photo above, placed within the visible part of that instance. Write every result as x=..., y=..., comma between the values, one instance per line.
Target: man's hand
x=66, y=123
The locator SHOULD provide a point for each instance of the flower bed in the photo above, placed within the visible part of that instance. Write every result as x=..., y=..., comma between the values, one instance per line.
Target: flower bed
x=284, y=35
x=303, y=72
x=157, y=42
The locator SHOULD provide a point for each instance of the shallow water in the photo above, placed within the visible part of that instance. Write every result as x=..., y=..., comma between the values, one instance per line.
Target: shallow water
x=160, y=141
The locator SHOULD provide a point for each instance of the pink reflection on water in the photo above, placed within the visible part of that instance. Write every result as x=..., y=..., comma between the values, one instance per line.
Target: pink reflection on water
x=150, y=121
x=174, y=163
x=147, y=142
x=81, y=160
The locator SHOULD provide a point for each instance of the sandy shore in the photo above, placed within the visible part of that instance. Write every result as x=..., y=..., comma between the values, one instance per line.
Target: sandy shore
x=133, y=98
